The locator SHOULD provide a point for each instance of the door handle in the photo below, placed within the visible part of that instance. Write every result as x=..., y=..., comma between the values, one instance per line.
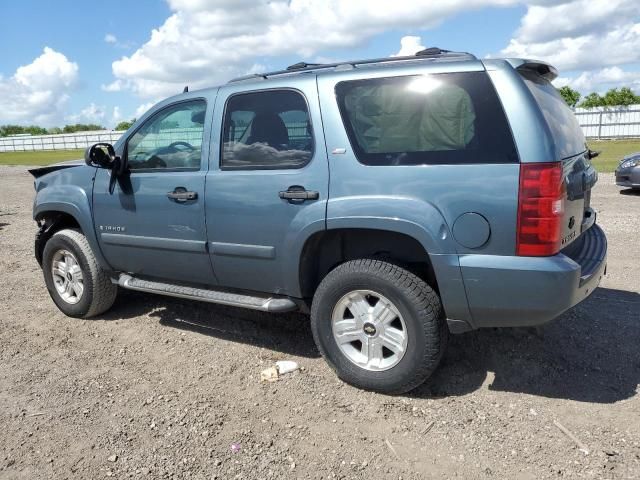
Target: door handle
x=298, y=193
x=180, y=194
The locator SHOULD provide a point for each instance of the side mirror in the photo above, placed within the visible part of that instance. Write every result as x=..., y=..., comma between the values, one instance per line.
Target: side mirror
x=101, y=155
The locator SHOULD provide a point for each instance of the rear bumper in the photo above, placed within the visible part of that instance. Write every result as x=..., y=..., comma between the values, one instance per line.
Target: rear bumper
x=504, y=291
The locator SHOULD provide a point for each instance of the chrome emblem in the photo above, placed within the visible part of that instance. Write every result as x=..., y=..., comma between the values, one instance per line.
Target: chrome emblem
x=111, y=228
x=369, y=329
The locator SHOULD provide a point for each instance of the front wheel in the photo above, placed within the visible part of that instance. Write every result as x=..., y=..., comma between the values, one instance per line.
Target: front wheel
x=379, y=326
x=76, y=282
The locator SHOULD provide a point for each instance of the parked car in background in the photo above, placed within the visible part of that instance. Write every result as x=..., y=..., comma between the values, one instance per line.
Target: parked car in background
x=395, y=200
x=628, y=172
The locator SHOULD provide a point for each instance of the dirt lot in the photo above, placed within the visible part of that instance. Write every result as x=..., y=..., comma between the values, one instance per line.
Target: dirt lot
x=161, y=388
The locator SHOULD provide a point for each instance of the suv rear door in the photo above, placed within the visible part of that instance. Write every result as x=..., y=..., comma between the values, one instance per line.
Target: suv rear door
x=267, y=184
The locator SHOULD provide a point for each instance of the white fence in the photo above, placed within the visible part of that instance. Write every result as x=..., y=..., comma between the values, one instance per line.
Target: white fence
x=65, y=141
x=609, y=122
x=600, y=122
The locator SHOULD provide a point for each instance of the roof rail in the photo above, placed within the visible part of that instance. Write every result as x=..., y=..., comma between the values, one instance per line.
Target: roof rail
x=427, y=53
x=299, y=65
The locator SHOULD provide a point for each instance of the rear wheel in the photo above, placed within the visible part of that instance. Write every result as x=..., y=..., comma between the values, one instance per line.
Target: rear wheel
x=76, y=283
x=379, y=326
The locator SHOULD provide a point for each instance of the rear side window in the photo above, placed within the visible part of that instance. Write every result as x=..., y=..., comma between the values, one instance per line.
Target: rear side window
x=564, y=126
x=446, y=118
x=266, y=130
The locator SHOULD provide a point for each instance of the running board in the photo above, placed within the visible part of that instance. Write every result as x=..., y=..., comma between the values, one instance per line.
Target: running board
x=265, y=304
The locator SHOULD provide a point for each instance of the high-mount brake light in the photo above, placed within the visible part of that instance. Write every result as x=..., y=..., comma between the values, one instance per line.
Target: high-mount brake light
x=540, y=209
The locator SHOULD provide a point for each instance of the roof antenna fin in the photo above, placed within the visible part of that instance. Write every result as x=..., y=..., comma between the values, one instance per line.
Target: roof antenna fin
x=186, y=89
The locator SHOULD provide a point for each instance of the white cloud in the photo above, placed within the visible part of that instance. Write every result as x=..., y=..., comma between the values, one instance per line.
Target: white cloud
x=114, y=86
x=409, y=45
x=111, y=39
x=575, y=19
x=603, y=79
x=141, y=110
x=38, y=92
x=580, y=34
x=206, y=42
x=92, y=113
x=116, y=116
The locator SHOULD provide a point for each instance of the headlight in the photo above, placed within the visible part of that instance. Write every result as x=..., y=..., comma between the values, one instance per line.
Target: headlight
x=632, y=162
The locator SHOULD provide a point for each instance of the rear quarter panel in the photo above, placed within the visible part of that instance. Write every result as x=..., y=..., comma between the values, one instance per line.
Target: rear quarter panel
x=429, y=197
x=421, y=201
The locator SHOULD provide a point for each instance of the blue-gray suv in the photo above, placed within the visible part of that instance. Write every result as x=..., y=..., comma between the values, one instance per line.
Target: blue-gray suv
x=394, y=200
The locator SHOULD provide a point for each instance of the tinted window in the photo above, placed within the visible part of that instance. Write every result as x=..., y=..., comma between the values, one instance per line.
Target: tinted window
x=426, y=119
x=566, y=131
x=172, y=138
x=269, y=129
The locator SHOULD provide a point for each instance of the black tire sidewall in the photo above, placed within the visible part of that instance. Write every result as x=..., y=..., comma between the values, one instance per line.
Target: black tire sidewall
x=421, y=332
x=62, y=242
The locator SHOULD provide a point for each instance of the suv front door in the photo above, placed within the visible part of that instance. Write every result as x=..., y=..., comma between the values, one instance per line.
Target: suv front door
x=153, y=224
x=267, y=185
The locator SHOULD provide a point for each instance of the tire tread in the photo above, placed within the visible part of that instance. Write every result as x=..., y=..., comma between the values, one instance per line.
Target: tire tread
x=103, y=290
x=418, y=293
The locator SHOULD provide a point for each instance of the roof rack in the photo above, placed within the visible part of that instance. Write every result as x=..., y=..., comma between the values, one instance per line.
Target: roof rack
x=427, y=53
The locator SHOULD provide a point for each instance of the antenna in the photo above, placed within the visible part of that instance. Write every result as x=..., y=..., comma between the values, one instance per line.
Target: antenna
x=186, y=89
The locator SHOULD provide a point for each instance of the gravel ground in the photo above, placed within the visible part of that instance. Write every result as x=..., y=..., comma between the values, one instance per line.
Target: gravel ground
x=161, y=388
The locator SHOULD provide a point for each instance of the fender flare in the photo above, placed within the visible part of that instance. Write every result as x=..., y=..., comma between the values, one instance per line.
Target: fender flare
x=82, y=216
x=422, y=221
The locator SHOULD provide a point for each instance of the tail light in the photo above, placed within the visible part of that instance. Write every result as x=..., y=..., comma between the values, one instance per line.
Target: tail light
x=540, y=209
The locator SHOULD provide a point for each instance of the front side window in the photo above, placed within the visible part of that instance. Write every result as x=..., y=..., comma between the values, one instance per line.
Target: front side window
x=426, y=119
x=171, y=139
x=268, y=129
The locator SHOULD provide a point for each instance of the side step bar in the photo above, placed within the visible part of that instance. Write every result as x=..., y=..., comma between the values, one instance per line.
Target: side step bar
x=265, y=304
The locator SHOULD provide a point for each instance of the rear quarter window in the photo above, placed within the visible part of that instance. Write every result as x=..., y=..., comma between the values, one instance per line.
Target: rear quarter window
x=452, y=118
x=565, y=129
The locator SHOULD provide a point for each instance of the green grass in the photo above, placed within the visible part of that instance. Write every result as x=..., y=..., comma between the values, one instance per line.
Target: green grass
x=39, y=158
x=612, y=152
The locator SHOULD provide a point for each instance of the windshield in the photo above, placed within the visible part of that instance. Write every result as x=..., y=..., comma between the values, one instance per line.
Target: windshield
x=564, y=126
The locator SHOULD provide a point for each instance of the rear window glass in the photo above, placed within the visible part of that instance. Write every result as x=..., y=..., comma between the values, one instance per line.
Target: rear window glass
x=426, y=119
x=565, y=129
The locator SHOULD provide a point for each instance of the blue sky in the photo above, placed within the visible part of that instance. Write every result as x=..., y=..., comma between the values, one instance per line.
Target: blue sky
x=104, y=64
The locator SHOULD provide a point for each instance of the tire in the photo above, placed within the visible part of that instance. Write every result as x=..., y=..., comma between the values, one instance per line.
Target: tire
x=72, y=254
x=418, y=313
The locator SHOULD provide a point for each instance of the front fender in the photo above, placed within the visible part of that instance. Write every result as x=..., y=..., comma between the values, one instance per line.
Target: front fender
x=74, y=201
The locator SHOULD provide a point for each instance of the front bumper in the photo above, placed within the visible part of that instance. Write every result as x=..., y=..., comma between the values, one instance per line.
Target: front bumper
x=629, y=177
x=506, y=291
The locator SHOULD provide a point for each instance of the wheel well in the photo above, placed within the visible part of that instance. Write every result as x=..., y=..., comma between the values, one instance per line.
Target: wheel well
x=326, y=250
x=50, y=223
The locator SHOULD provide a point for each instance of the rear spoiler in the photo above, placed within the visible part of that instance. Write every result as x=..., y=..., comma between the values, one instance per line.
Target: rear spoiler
x=543, y=69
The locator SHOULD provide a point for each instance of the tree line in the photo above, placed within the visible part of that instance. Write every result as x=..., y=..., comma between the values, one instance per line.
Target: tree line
x=613, y=98
x=7, y=130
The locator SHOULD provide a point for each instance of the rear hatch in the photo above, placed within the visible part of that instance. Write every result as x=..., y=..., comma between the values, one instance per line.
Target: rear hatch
x=578, y=174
